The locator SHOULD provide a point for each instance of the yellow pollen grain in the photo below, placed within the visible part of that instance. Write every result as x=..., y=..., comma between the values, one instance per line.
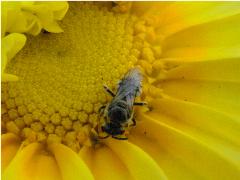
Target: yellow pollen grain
x=13, y=114
x=18, y=101
x=66, y=123
x=88, y=107
x=64, y=111
x=82, y=117
x=19, y=122
x=81, y=137
x=12, y=93
x=60, y=131
x=77, y=126
x=37, y=126
x=60, y=87
x=28, y=119
x=44, y=119
x=53, y=138
x=31, y=107
x=22, y=110
x=36, y=114
x=55, y=118
x=49, y=110
x=70, y=136
x=41, y=136
x=73, y=115
x=29, y=134
x=12, y=127
x=49, y=128
x=148, y=54
x=10, y=103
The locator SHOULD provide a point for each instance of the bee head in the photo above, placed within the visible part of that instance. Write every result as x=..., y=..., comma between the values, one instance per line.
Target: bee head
x=113, y=129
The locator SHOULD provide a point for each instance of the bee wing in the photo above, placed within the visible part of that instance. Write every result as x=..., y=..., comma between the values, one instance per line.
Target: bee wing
x=130, y=85
x=130, y=100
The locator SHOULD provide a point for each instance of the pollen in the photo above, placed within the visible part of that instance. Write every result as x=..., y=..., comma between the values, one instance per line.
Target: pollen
x=61, y=76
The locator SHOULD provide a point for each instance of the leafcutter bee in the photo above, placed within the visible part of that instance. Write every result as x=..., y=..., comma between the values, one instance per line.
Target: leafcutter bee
x=119, y=113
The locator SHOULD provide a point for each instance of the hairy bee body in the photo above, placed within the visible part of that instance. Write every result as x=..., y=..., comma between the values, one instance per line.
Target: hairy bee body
x=119, y=112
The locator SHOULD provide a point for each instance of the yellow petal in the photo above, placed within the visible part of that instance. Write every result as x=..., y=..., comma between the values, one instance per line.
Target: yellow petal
x=72, y=167
x=147, y=8
x=10, y=146
x=35, y=25
x=46, y=17
x=214, y=84
x=12, y=18
x=139, y=164
x=32, y=162
x=224, y=70
x=31, y=17
x=9, y=77
x=206, y=124
x=11, y=45
x=104, y=163
x=205, y=42
x=59, y=9
x=3, y=21
x=182, y=15
x=51, y=26
x=48, y=12
x=173, y=167
x=173, y=149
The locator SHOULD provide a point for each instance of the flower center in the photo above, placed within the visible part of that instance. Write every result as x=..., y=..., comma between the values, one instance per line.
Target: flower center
x=62, y=75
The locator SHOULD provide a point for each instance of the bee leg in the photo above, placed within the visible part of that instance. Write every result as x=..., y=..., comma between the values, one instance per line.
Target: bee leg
x=108, y=90
x=120, y=138
x=140, y=103
x=101, y=109
x=134, y=122
x=104, y=137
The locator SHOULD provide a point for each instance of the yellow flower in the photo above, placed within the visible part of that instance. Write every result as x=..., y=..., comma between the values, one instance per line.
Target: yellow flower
x=189, y=55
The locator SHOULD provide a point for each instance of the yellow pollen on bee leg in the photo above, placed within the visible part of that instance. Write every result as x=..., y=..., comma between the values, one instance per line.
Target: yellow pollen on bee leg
x=60, y=87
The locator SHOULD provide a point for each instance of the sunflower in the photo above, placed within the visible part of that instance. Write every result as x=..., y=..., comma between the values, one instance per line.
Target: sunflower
x=188, y=53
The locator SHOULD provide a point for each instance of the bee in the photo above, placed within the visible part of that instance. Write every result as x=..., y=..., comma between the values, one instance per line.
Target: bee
x=119, y=113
